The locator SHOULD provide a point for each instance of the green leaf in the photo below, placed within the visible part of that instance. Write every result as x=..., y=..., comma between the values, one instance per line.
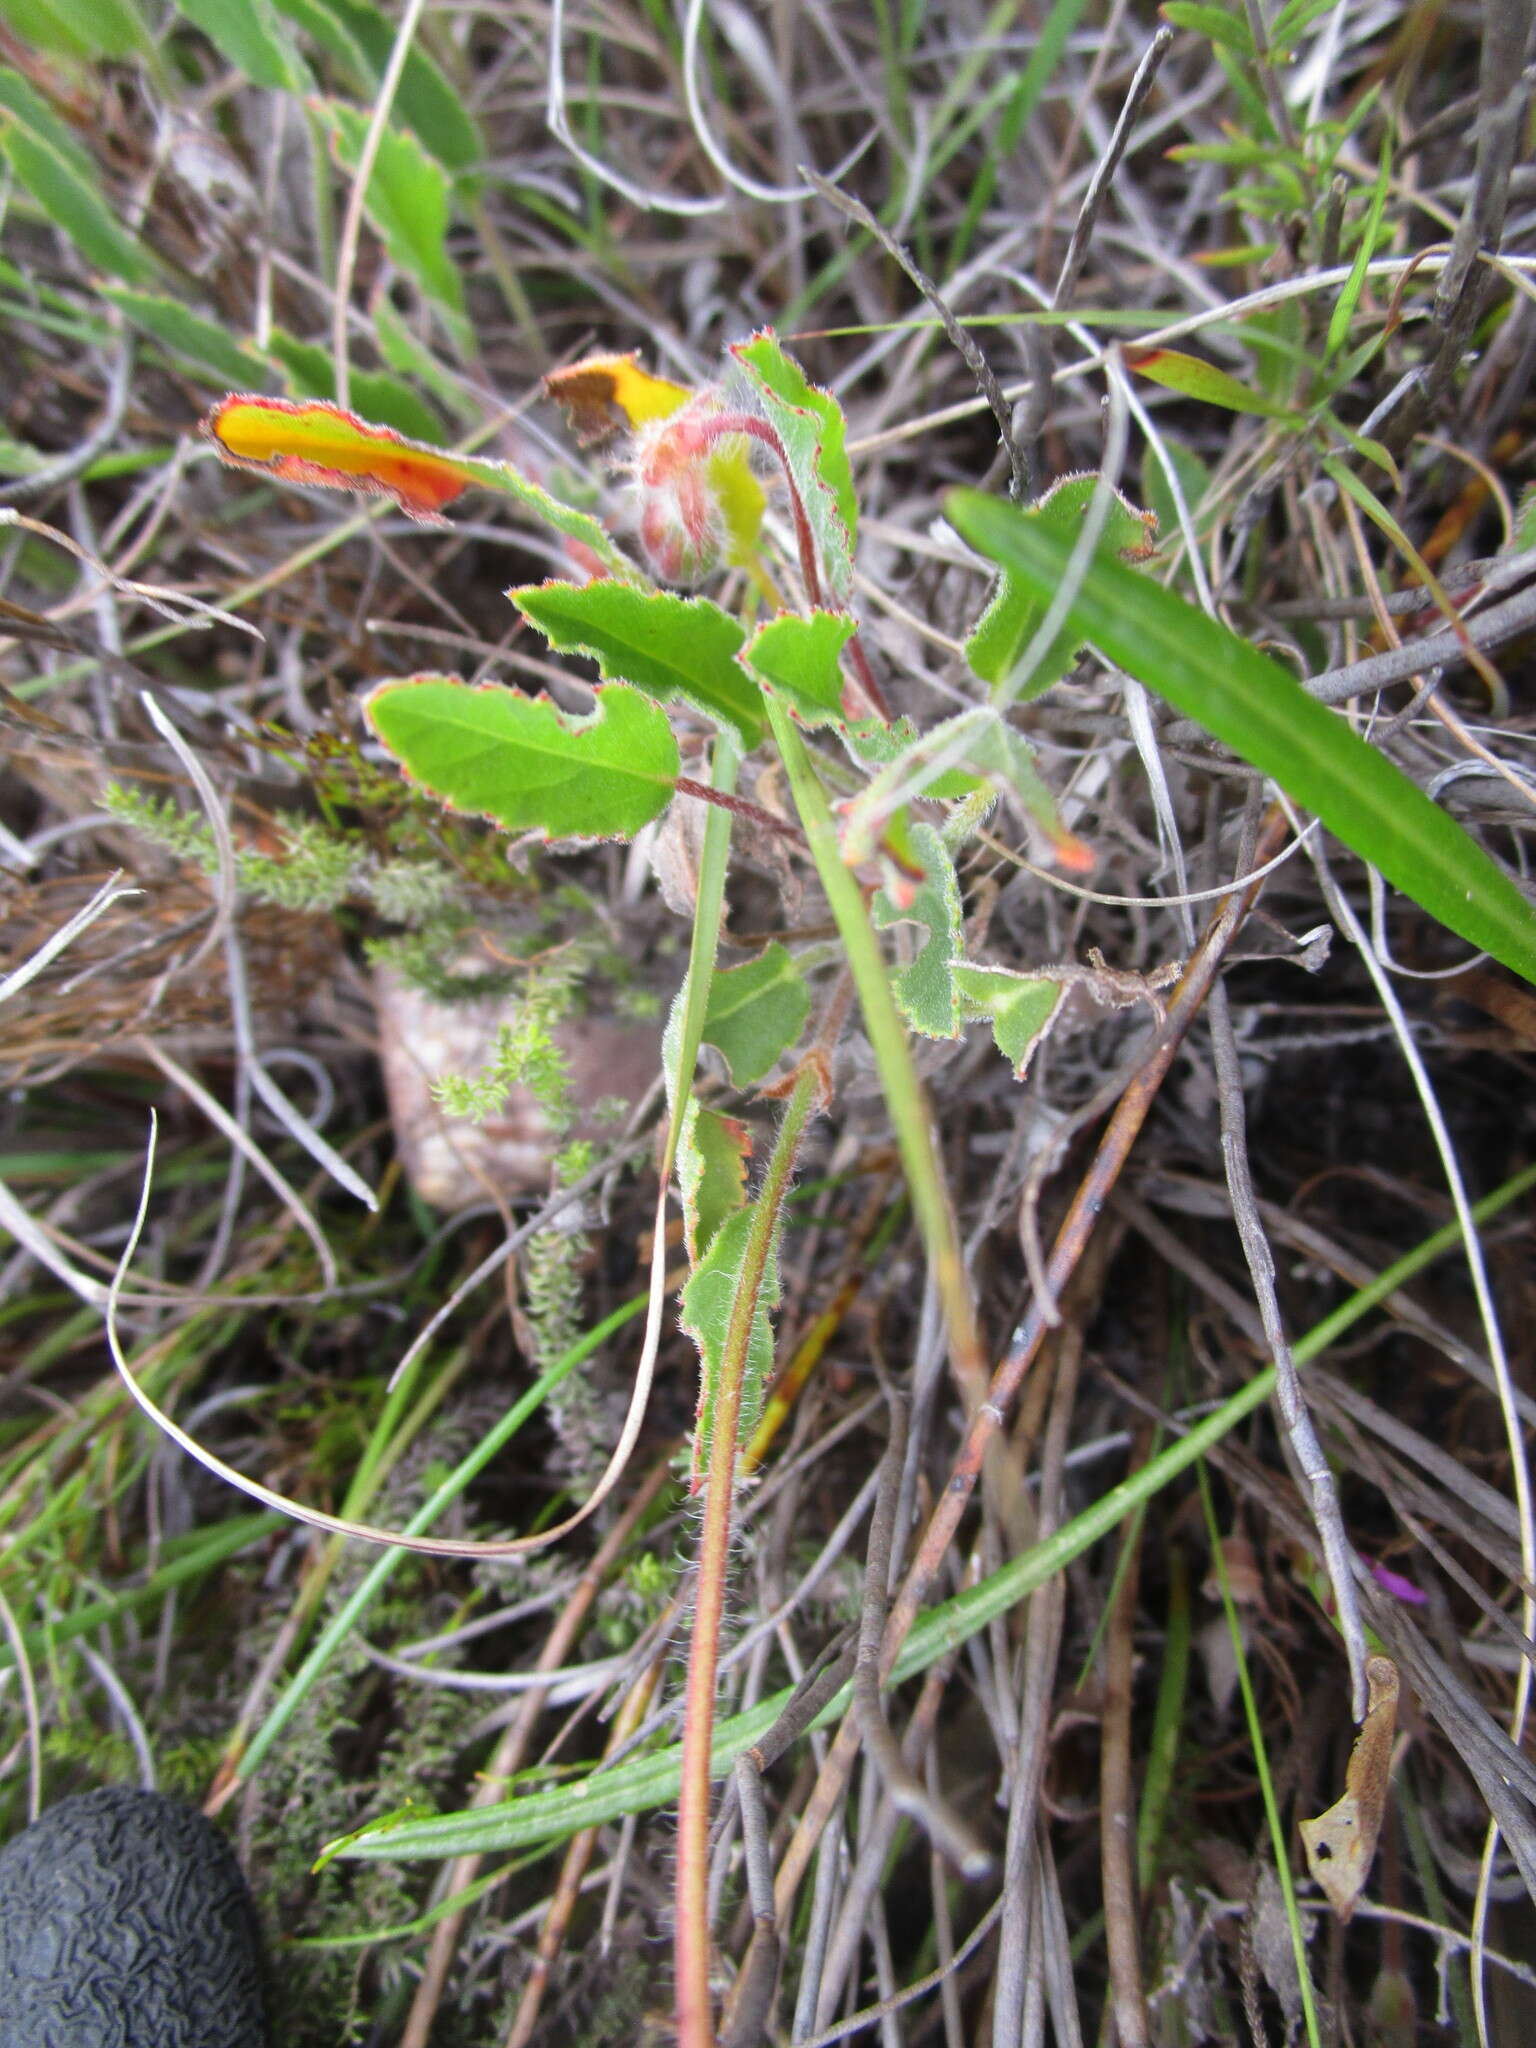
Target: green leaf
x=1003, y=633
x=1354, y=284
x=1021, y=1006
x=712, y=1155
x=1258, y=709
x=249, y=34
x=18, y=97
x=874, y=744
x=1194, y=481
x=80, y=28
x=187, y=334
x=705, y=1314
x=1291, y=23
x=522, y=763
x=74, y=204
x=1196, y=378
x=925, y=989
x=666, y=645
x=797, y=657
x=330, y=35
x=409, y=357
x=810, y=424
x=425, y=100
x=407, y=202
x=311, y=373
x=1229, y=31
x=756, y=1012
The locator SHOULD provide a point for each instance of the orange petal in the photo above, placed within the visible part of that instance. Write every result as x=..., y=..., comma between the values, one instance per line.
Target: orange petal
x=310, y=441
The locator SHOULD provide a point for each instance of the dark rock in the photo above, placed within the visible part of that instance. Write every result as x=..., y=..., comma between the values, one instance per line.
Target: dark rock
x=125, y=1923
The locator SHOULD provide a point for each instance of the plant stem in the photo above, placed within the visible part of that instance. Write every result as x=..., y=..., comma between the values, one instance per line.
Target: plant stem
x=893, y=1057
x=695, y=2026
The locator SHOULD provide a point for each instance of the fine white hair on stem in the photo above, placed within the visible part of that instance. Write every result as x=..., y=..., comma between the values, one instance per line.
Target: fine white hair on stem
x=338, y=1525
x=1344, y=916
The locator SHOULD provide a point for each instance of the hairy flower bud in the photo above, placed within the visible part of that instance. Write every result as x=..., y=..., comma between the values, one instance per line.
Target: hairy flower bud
x=682, y=520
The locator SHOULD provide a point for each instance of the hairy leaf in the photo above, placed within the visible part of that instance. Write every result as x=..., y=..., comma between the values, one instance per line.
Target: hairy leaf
x=72, y=202
x=666, y=645
x=705, y=1315
x=1021, y=1007
x=810, y=424
x=522, y=763
x=1004, y=632
x=925, y=988
x=756, y=1012
x=712, y=1155
x=1262, y=713
x=797, y=657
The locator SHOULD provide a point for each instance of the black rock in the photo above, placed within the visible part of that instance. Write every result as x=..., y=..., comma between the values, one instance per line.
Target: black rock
x=125, y=1923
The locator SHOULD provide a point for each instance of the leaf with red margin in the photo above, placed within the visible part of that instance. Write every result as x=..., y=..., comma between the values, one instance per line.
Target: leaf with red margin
x=311, y=441
x=811, y=426
x=523, y=763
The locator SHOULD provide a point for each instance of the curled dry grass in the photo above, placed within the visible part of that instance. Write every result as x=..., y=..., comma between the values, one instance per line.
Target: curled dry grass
x=642, y=186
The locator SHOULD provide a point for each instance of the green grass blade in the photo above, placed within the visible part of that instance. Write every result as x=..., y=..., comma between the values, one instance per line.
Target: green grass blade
x=1259, y=710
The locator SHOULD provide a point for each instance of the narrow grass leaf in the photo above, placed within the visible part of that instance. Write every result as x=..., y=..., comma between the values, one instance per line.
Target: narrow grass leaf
x=1229, y=31
x=524, y=764
x=1349, y=297
x=251, y=35
x=187, y=334
x=80, y=28
x=19, y=97
x=797, y=656
x=1258, y=709
x=669, y=646
x=407, y=201
x=74, y=204
x=426, y=100
x=756, y=1013
x=1196, y=378
x=310, y=372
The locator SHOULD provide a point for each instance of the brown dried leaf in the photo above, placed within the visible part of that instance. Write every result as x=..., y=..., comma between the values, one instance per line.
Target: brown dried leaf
x=1341, y=1843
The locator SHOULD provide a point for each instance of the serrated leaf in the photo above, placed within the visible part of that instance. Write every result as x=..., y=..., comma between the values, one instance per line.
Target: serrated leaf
x=1004, y=632
x=756, y=1012
x=187, y=334
x=1258, y=709
x=523, y=763
x=666, y=645
x=1196, y=378
x=73, y=203
x=310, y=372
x=1022, y=1007
x=253, y=38
x=311, y=441
x=797, y=657
x=874, y=744
x=705, y=1314
x=407, y=201
x=712, y=1155
x=925, y=988
x=810, y=424
x=315, y=442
